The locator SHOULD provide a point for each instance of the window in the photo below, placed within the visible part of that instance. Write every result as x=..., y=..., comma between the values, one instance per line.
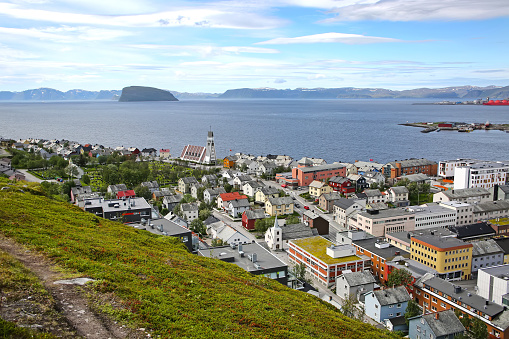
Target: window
x=390, y=314
x=398, y=314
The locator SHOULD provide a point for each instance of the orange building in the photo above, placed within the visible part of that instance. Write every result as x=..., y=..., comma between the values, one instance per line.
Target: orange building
x=396, y=169
x=229, y=162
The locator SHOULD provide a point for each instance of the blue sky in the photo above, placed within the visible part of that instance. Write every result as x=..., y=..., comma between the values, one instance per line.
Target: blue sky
x=206, y=46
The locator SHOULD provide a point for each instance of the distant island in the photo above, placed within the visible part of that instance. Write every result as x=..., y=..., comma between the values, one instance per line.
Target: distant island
x=472, y=92
x=446, y=93
x=140, y=93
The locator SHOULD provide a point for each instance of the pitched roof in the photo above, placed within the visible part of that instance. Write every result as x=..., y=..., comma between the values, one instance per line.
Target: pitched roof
x=189, y=207
x=491, y=206
x=391, y=296
x=473, y=300
x=239, y=203
x=372, y=193
x=255, y=214
x=231, y=196
x=465, y=193
x=331, y=196
x=266, y=190
x=296, y=231
x=399, y=189
x=473, y=230
x=189, y=180
x=358, y=278
x=344, y=203
x=485, y=247
x=504, y=244
x=281, y=201
x=328, y=167
x=446, y=324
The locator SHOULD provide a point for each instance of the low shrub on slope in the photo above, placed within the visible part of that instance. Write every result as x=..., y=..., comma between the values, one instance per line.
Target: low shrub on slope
x=154, y=283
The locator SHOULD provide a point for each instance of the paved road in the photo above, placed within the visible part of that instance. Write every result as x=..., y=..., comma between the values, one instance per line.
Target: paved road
x=32, y=178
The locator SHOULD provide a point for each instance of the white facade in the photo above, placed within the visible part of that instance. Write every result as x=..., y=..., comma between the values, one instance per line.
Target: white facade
x=433, y=216
x=274, y=237
x=493, y=283
x=446, y=168
x=486, y=175
x=464, y=211
x=386, y=221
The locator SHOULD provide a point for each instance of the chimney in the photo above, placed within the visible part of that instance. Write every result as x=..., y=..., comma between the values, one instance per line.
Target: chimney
x=436, y=316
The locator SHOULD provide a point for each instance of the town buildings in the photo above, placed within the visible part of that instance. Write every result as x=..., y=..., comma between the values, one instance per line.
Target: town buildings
x=450, y=257
x=485, y=175
x=380, y=222
x=410, y=166
x=324, y=261
x=306, y=175
x=388, y=303
x=251, y=257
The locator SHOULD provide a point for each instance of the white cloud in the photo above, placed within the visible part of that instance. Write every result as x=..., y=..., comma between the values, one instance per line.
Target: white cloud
x=207, y=50
x=350, y=39
x=422, y=10
x=189, y=17
x=279, y=81
x=65, y=34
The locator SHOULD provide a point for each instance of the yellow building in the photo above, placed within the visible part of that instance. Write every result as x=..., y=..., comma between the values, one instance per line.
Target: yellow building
x=317, y=188
x=265, y=193
x=281, y=206
x=450, y=257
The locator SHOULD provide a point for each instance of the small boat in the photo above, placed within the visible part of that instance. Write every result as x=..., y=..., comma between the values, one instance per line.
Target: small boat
x=438, y=130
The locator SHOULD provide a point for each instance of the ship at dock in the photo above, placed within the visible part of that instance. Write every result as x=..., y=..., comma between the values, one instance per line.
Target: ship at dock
x=489, y=102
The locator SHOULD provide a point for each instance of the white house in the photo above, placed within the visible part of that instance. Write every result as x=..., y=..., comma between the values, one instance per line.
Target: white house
x=189, y=211
x=227, y=234
x=274, y=237
x=251, y=187
x=356, y=283
x=237, y=207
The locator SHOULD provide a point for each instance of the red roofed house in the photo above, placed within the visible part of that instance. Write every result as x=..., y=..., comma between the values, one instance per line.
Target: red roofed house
x=126, y=194
x=224, y=198
x=164, y=153
x=193, y=153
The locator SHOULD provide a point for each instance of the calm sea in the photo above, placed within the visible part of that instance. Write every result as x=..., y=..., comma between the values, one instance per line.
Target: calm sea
x=336, y=130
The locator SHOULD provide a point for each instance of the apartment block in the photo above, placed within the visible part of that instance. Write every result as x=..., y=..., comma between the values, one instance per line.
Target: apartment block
x=380, y=222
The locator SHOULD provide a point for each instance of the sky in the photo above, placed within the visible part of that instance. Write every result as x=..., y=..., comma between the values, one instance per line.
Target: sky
x=213, y=46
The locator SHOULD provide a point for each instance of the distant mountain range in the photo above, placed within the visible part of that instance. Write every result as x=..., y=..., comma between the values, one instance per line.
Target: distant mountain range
x=461, y=92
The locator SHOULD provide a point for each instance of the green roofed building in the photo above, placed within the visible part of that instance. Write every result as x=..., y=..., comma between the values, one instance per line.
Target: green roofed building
x=324, y=260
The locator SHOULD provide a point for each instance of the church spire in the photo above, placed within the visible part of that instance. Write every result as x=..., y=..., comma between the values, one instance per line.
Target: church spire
x=276, y=225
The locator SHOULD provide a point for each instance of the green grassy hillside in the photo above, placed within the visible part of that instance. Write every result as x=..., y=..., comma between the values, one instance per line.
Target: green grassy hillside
x=154, y=283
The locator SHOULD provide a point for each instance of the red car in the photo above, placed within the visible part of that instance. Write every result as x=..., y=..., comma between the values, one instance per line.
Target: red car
x=283, y=185
x=306, y=207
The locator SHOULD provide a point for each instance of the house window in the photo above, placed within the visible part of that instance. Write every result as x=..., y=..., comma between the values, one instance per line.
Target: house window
x=426, y=296
x=390, y=314
x=398, y=314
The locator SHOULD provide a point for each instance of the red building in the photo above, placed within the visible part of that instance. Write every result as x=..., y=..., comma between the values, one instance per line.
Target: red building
x=249, y=218
x=306, y=175
x=342, y=185
x=380, y=253
x=126, y=194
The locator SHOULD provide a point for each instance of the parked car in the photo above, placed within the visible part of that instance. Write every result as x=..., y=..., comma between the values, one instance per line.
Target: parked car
x=306, y=207
x=297, y=205
x=284, y=185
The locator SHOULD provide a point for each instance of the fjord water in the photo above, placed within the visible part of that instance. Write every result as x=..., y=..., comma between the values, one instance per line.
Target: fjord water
x=336, y=130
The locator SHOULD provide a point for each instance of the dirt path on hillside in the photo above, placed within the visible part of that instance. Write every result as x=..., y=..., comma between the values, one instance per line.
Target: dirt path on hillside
x=71, y=303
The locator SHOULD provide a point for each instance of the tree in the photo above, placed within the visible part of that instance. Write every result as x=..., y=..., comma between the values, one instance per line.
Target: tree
x=262, y=225
x=374, y=185
x=299, y=271
x=204, y=214
x=86, y=179
x=412, y=310
x=72, y=170
x=478, y=329
x=349, y=309
x=197, y=226
x=399, y=277
x=292, y=219
x=143, y=192
x=218, y=242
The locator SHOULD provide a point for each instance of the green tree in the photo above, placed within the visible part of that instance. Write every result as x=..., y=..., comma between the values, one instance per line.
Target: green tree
x=349, y=308
x=102, y=159
x=412, y=310
x=203, y=214
x=143, y=192
x=292, y=219
x=197, y=226
x=374, y=185
x=401, y=277
x=299, y=271
x=71, y=170
x=218, y=242
x=478, y=329
x=262, y=225
x=86, y=179
x=228, y=188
